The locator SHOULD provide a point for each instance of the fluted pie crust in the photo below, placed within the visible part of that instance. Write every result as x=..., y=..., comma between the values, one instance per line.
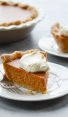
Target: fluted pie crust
x=33, y=81
x=61, y=40
x=34, y=13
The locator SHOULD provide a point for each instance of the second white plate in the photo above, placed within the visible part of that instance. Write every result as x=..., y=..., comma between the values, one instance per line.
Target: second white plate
x=48, y=44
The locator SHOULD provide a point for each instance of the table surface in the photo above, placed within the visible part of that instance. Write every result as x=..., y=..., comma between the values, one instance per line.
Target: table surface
x=55, y=10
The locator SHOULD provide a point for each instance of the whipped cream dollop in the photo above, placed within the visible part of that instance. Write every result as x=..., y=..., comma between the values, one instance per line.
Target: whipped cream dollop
x=34, y=62
x=64, y=31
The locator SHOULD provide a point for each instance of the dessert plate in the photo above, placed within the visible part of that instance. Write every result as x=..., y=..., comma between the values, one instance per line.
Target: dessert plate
x=57, y=86
x=48, y=44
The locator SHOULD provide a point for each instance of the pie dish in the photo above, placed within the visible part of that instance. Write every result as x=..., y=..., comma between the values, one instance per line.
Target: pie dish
x=36, y=81
x=61, y=40
x=15, y=26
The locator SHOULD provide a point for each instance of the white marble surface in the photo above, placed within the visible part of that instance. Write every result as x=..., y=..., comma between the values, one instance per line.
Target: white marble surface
x=55, y=10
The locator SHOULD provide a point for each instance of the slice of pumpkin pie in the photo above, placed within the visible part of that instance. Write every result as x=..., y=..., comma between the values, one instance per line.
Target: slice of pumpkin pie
x=28, y=69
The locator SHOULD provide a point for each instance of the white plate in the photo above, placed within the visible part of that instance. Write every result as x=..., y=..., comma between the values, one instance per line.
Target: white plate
x=48, y=44
x=57, y=86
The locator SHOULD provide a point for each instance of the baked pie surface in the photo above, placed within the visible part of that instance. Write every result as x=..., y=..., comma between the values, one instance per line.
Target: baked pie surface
x=16, y=13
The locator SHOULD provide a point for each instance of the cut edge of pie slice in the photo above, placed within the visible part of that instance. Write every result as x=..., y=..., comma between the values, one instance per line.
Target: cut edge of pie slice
x=32, y=81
